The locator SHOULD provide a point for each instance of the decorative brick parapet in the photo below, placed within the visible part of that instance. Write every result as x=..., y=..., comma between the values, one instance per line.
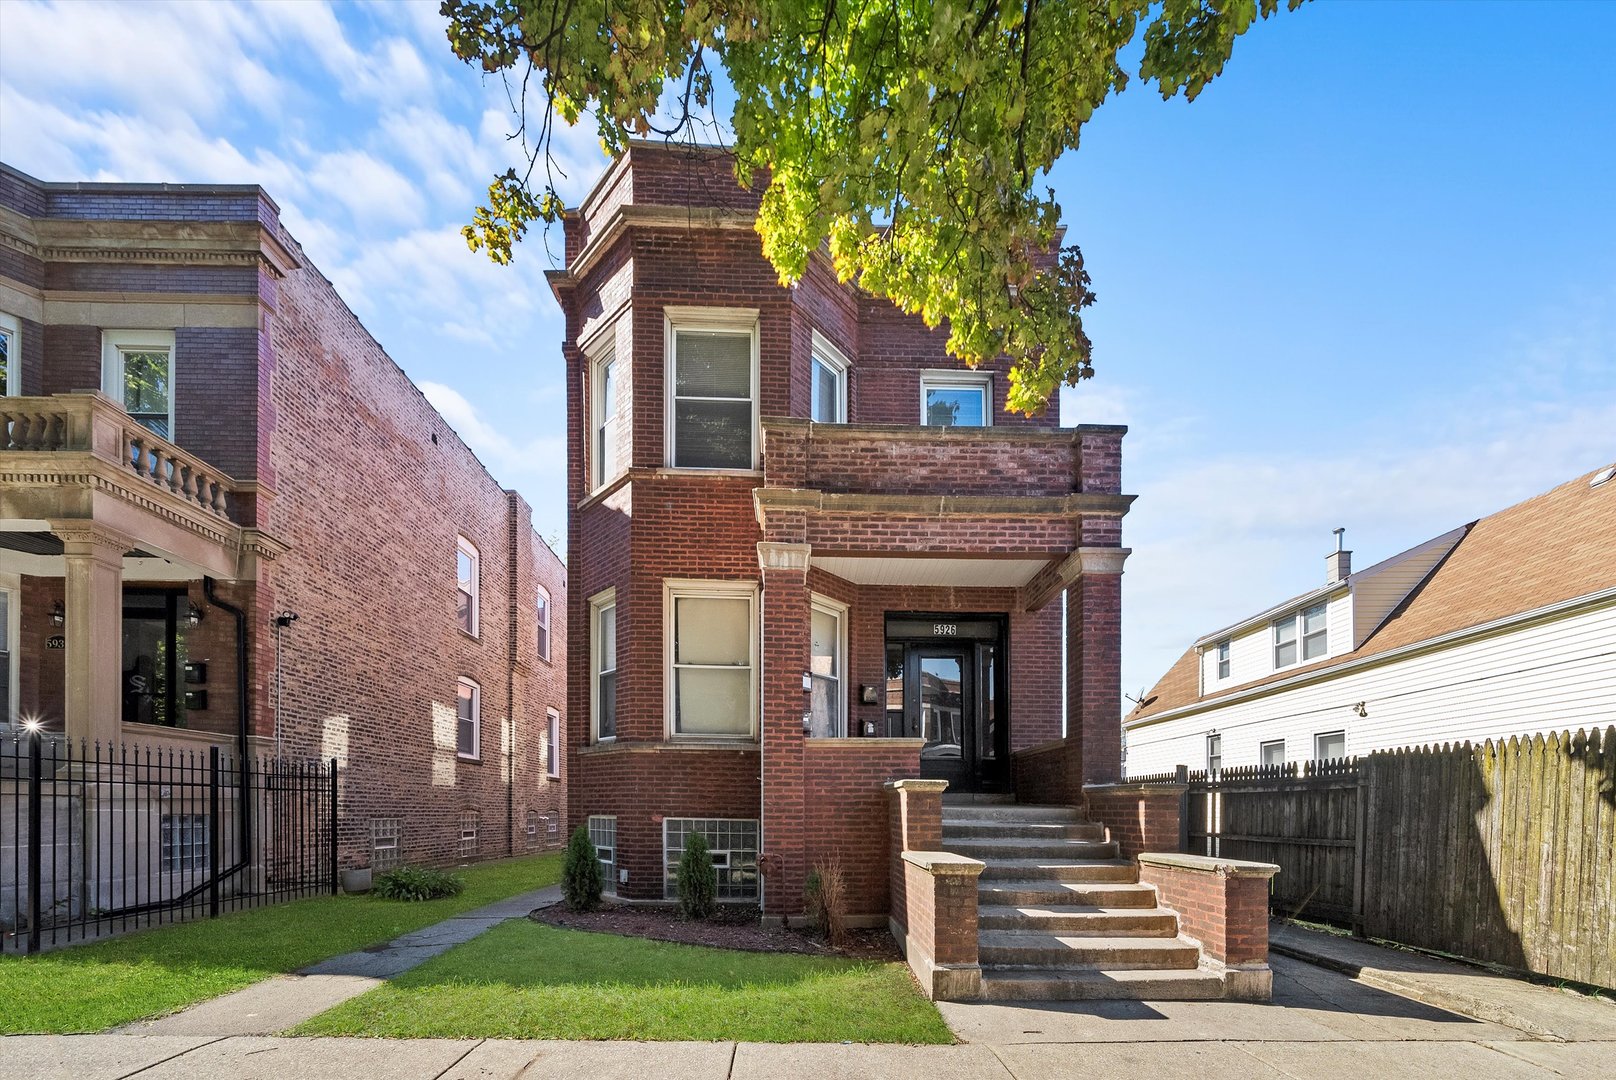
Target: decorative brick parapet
x=1223, y=905
x=934, y=918
x=1139, y=817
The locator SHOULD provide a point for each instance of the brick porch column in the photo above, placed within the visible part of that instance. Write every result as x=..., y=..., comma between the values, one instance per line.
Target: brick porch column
x=94, y=632
x=1094, y=662
x=786, y=618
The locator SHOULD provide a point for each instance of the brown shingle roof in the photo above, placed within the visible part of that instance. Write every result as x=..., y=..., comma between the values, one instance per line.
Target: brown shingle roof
x=1553, y=547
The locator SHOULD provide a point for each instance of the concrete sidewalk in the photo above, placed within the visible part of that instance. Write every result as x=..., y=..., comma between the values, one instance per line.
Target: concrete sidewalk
x=1321, y=1024
x=287, y=1000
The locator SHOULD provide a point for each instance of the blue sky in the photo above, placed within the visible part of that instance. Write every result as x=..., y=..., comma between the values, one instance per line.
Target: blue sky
x=1367, y=279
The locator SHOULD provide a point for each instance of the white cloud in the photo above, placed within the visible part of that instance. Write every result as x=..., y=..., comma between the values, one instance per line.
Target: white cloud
x=541, y=456
x=391, y=71
x=373, y=191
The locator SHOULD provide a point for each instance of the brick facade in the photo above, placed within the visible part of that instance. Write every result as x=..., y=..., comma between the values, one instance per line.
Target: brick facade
x=340, y=458
x=882, y=515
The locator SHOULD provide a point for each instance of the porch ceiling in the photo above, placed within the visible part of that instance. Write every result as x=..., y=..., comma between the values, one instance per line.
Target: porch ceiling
x=1008, y=573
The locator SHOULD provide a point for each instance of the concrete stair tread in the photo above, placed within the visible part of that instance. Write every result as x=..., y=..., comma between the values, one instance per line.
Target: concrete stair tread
x=1058, y=951
x=1022, y=830
x=986, y=812
x=1042, y=940
x=1019, y=984
x=1045, y=891
x=1036, y=910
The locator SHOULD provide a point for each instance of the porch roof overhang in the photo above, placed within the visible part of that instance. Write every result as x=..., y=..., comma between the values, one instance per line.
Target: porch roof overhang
x=977, y=573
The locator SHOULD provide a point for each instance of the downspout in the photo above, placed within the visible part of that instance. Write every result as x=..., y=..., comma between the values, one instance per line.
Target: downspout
x=245, y=830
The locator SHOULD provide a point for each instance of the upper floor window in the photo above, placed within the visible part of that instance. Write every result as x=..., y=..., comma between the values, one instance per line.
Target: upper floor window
x=466, y=583
x=603, y=420
x=712, y=646
x=544, y=624
x=1273, y=753
x=956, y=398
x=712, y=404
x=1330, y=746
x=828, y=395
x=468, y=719
x=603, y=657
x=1223, y=659
x=10, y=356
x=1214, y=753
x=1311, y=626
x=137, y=370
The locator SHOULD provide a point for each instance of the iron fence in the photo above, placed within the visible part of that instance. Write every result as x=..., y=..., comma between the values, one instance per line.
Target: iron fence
x=96, y=839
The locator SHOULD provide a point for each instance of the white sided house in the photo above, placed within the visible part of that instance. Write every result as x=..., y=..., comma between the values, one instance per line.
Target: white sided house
x=1505, y=626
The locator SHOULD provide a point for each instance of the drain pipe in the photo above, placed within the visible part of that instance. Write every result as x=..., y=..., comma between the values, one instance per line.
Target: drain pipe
x=242, y=682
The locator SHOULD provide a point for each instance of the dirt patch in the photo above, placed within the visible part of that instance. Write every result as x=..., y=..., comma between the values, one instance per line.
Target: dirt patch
x=731, y=928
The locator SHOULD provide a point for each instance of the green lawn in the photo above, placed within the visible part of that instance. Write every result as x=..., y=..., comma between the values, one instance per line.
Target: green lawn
x=91, y=987
x=525, y=980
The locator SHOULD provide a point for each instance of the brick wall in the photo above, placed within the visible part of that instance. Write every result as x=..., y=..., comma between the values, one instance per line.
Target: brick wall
x=1223, y=904
x=846, y=811
x=1139, y=818
x=1050, y=774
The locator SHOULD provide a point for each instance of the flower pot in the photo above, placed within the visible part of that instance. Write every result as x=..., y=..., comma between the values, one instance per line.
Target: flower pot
x=356, y=881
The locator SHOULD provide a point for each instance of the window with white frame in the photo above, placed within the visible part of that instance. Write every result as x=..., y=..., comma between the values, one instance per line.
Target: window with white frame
x=603, y=658
x=733, y=844
x=552, y=743
x=711, y=648
x=828, y=395
x=1329, y=746
x=603, y=419
x=603, y=835
x=956, y=398
x=467, y=581
x=544, y=624
x=1223, y=659
x=826, y=652
x=1310, y=629
x=10, y=355
x=468, y=719
x=184, y=843
x=712, y=380
x=137, y=371
x=1272, y=753
x=1214, y=753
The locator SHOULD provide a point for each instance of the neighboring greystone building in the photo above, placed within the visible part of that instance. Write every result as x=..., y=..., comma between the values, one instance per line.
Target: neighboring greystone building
x=1504, y=626
x=195, y=424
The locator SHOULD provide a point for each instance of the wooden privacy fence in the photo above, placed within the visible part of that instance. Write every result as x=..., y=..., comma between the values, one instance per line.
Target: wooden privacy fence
x=1504, y=852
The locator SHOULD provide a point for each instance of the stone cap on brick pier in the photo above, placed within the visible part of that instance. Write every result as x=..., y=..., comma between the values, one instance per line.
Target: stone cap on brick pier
x=1207, y=864
x=945, y=863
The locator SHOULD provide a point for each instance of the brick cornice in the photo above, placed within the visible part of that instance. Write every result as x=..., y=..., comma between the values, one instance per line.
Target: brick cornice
x=192, y=243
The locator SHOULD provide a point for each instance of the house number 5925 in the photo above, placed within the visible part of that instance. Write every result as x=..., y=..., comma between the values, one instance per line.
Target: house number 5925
x=945, y=629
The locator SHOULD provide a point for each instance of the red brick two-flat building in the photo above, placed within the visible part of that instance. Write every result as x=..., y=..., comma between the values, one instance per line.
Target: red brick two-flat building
x=194, y=426
x=810, y=552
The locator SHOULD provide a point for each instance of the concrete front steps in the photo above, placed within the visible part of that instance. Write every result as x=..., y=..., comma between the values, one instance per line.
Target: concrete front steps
x=1061, y=917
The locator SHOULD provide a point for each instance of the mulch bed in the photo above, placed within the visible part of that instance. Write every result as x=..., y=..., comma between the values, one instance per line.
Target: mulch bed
x=732, y=928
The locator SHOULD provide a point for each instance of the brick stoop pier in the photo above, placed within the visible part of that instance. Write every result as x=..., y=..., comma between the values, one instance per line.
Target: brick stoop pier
x=1059, y=915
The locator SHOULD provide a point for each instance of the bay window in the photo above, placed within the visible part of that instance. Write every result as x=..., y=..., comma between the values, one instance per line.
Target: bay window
x=825, y=661
x=712, y=645
x=712, y=379
x=603, y=659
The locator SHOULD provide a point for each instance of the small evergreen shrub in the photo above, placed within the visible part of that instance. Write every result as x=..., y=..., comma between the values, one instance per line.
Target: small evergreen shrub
x=418, y=883
x=697, y=880
x=581, y=883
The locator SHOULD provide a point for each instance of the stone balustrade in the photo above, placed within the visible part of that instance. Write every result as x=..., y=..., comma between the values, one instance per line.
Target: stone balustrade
x=88, y=422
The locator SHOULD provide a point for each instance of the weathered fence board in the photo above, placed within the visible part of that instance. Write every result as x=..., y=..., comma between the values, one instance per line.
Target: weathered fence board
x=1504, y=852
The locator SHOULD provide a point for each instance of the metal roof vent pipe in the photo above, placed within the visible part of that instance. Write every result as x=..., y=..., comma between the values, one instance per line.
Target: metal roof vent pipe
x=1338, y=564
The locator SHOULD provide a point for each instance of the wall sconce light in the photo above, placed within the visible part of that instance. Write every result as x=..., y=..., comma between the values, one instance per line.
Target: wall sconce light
x=1361, y=708
x=194, y=616
x=867, y=695
x=58, y=614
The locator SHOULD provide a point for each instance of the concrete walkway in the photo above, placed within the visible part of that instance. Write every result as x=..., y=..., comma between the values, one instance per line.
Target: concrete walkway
x=287, y=1000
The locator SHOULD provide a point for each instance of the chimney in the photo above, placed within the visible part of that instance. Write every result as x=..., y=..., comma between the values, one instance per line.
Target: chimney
x=1338, y=564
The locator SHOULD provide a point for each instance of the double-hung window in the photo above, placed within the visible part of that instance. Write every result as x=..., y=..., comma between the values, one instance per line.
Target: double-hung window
x=10, y=356
x=137, y=371
x=1312, y=626
x=1214, y=753
x=712, y=376
x=1273, y=753
x=825, y=662
x=1330, y=746
x=603, y=658
x=552, y=743
x=956, y=398
x=1223, y=660
x=603, y=419
x=828, y=394
x=544, y=624
x=466, y=585
x=712, y=657
x=468, y=719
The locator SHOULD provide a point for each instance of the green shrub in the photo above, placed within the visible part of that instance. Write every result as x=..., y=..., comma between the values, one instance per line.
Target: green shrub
x=697, y=880
x=581, y=884
x=418, y=883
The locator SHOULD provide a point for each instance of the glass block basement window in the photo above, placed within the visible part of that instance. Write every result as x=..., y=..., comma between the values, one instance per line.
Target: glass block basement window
x=386, y=843
x=734, y=844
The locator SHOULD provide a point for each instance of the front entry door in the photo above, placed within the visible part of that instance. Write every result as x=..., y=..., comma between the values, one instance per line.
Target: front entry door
x=946, y=675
